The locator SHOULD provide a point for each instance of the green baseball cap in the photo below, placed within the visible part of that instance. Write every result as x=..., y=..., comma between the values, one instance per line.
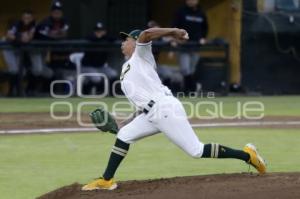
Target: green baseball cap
x=133, y=34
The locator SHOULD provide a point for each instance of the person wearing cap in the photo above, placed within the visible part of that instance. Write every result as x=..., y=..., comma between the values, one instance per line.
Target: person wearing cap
x=55, y=26
x=97, y=61
x=159, y=110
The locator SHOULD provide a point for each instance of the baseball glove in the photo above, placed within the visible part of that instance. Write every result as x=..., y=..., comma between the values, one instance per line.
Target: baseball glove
x=104, y=121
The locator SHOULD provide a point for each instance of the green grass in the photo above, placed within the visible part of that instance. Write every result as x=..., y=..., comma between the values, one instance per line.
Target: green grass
x=36, y=164
x=12, y=105
x=281, y=105
x=40, y=163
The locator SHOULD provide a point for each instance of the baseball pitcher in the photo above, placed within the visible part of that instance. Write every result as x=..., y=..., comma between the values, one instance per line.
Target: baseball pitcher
x=161, y=111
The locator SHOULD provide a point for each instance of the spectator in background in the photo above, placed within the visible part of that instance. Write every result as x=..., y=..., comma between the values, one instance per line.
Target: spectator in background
x=96, y=61
x=21, y=33
x=54, y=28
x=191, y=18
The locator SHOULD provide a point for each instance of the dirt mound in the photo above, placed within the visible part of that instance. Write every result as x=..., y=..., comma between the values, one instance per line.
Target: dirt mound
x=231, y=186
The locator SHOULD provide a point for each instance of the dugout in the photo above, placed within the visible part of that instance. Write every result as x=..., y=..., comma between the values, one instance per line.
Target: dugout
x=255, y=61
x=82, y=15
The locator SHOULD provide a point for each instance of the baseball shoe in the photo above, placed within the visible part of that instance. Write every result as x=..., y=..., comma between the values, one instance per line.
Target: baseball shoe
x=100, y=184
x=255, y=159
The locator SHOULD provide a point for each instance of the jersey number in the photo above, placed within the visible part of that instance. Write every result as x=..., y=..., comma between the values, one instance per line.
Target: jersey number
x=124, y=72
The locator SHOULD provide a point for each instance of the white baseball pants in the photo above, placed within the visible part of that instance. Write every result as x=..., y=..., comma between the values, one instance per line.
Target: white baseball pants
x=167, y=116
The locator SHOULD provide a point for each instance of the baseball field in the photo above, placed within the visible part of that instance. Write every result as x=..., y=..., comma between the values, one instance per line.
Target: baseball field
x=42, y=157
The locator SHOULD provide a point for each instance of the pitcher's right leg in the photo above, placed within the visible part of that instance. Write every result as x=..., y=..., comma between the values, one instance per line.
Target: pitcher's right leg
x=172, y=121
x=178, y=129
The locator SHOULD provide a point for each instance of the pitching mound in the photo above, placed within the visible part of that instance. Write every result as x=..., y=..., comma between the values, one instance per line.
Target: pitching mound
x=231, y=186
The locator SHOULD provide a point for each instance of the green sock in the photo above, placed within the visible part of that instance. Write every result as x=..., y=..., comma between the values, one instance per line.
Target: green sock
x=218, y=151
x=118, y=153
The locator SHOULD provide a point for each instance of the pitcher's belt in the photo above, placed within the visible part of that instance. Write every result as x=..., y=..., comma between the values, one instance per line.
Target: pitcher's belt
x=148, y=106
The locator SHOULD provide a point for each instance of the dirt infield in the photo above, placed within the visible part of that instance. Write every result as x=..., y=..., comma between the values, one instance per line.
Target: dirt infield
x=10, y=121
x=231, y=186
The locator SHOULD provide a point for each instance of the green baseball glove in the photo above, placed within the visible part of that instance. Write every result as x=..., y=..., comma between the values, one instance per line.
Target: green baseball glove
x=104, y=121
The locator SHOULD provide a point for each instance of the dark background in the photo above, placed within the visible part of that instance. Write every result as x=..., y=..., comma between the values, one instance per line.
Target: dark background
x=266, y=67
x=113, y=13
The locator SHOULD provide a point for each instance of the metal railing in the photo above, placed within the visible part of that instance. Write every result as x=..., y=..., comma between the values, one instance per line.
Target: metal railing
x=85, y=45
x=71, y=46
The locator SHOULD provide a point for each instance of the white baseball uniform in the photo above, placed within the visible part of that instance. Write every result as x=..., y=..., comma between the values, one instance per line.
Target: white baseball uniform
x=141, y=85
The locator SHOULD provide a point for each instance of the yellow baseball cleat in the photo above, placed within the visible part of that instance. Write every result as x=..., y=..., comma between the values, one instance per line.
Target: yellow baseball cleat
x=255, y=159
x=100, y=184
